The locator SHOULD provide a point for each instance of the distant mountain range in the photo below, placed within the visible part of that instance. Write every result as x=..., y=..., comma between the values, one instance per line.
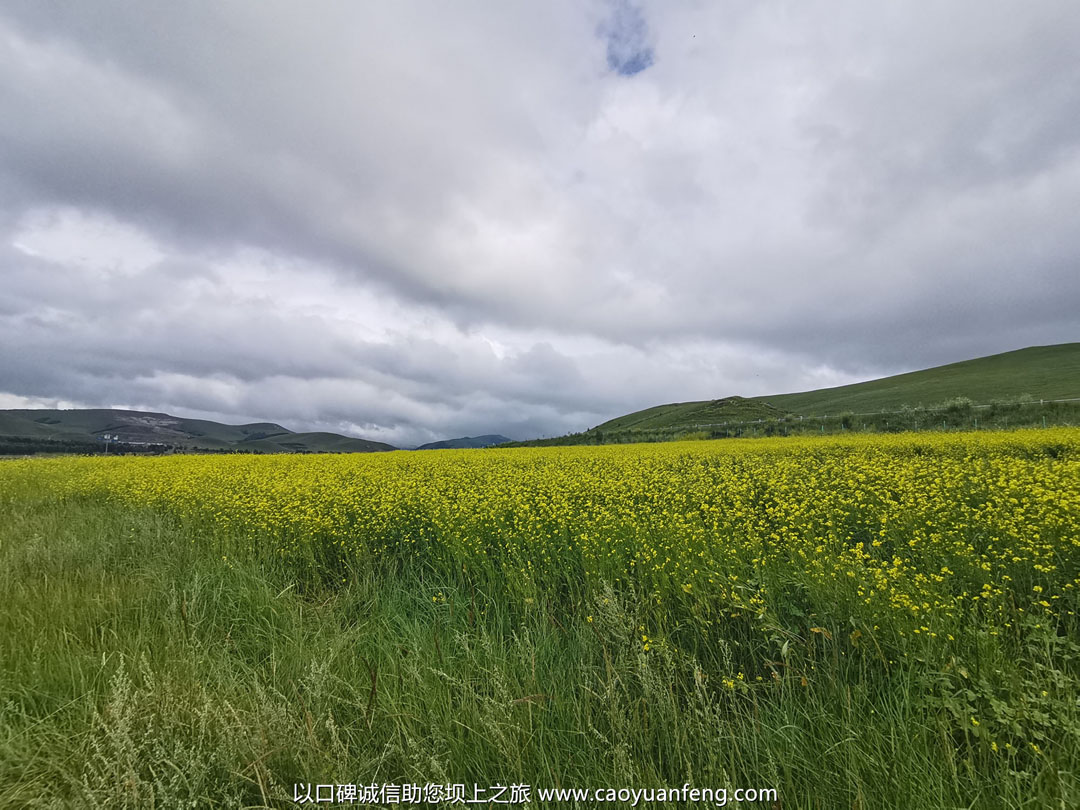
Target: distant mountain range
x=85, y=430
x=1039, y=372
x=89, y=430
x=466, y=442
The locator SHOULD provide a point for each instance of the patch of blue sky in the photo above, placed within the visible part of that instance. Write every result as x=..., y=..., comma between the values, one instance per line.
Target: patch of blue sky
x=626, y=34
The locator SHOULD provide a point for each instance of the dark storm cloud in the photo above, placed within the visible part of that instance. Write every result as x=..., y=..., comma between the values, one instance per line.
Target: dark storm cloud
x=413, y=222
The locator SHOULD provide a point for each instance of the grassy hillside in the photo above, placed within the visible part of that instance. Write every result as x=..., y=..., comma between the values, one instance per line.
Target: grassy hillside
x=15, y=424
x=684, y=414
x=327, y=443
x=137, y=428
x=1042, y=372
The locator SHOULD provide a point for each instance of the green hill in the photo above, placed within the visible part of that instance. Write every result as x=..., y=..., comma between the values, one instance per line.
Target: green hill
x=1037, y=373
x=326, y=443
x=466, y=442
x=688, y=414
x=1042, y=372
x=132, y=430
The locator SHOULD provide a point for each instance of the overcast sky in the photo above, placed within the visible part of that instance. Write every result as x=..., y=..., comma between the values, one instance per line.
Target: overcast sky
x=410, y=221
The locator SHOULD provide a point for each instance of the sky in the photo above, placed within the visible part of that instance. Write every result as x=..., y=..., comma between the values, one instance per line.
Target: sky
x=413, y=221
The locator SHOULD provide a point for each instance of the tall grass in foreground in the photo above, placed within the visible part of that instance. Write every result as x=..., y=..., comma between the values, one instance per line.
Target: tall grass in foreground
x=150, y=658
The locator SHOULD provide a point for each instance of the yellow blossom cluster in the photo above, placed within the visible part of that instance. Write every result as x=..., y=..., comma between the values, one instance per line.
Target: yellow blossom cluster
x=913, y=532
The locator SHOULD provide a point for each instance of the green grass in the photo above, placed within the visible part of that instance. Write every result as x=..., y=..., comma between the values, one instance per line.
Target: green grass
x=1041, y=372
x=140, y=669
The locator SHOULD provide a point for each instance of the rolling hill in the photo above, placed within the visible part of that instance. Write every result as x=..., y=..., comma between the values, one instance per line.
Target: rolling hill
x=1042, y=372
x=135, y=429
x=685, y=414
x=466, y=442
x=1038, y=372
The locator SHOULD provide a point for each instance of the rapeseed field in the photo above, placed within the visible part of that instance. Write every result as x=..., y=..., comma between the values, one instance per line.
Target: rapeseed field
x=865, y=621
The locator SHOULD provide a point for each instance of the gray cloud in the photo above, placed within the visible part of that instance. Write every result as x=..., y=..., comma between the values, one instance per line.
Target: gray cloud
x=412, y=221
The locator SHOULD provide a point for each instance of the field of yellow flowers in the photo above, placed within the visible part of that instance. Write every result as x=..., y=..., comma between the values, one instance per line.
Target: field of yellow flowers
x=928, y=575
x=896, y=534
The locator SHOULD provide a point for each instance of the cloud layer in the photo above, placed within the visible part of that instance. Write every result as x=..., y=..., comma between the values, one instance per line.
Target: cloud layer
x=411, y=221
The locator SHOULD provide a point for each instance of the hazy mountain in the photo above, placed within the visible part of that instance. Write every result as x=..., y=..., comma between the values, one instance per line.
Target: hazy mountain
x=465, y=442
x=82, y=430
